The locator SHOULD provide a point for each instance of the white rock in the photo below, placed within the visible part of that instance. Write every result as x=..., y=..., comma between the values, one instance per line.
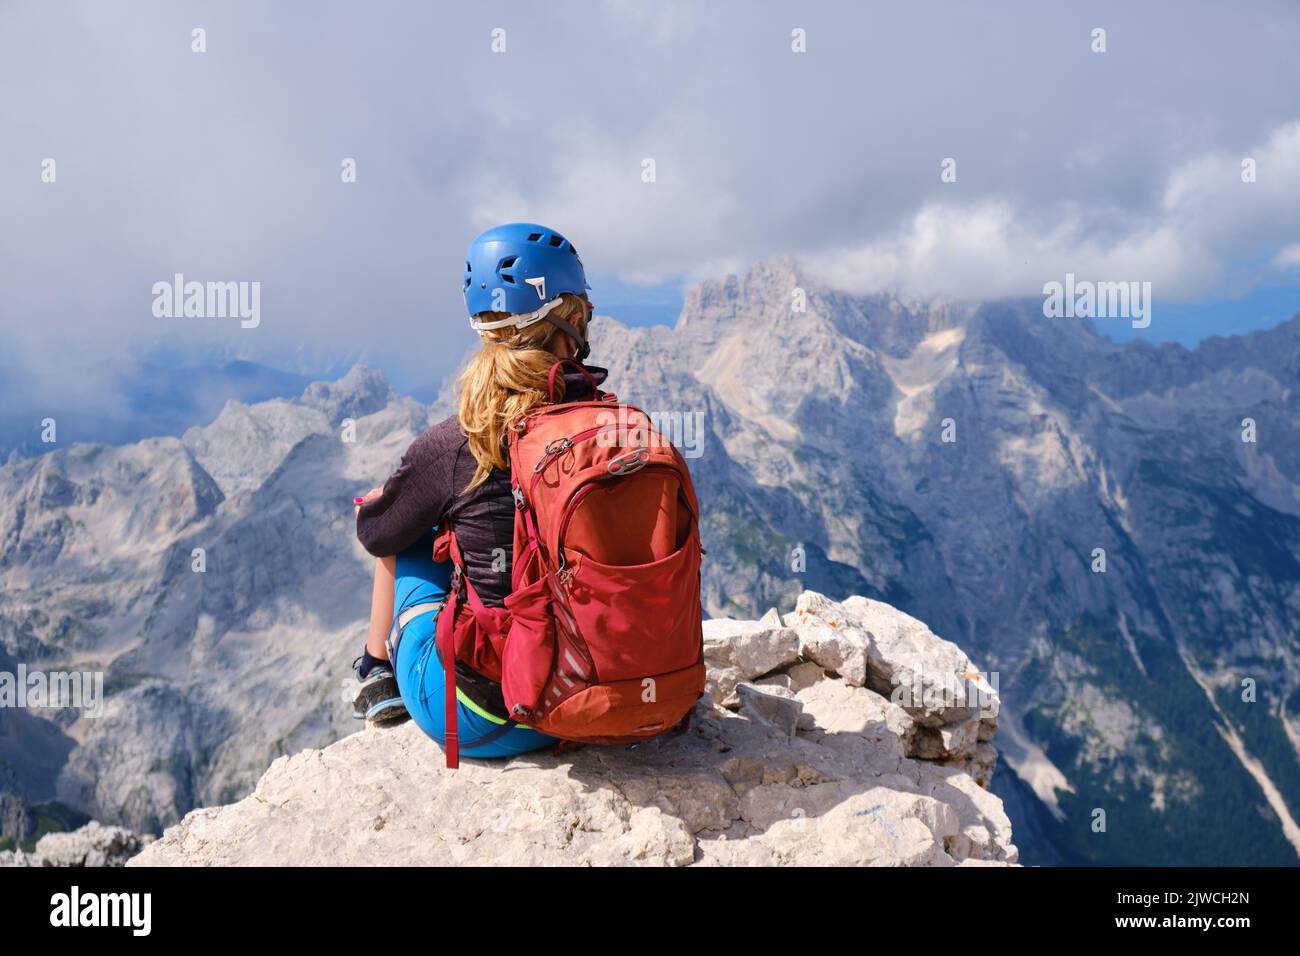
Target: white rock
x=833, y=773
x=729, y=791
x=92, y=845
x=855, y=713
x=736, y=651
x=772, y=705
x=872, y=644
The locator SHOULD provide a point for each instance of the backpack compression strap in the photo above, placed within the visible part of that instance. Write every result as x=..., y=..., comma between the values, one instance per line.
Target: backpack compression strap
x=445, y=640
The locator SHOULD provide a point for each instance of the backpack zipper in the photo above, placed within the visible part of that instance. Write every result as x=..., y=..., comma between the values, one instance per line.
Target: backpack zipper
x=565, y=445
x=576, y=499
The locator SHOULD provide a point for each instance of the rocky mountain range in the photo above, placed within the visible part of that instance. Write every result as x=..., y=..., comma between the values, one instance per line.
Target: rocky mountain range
x=1084, y=518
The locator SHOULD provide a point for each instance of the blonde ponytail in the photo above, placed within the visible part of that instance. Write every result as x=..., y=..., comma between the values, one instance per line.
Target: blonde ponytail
x=507, y=378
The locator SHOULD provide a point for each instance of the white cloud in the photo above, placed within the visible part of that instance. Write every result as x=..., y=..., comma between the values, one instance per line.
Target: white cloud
x=1288, y=257
x=1206, y=220
x=225, y=165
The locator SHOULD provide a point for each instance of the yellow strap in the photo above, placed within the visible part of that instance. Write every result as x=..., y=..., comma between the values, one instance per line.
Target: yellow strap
x=411, y=614
x=460, y=696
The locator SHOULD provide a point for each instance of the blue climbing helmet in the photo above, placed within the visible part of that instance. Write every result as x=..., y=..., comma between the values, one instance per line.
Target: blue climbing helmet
x=519, y=270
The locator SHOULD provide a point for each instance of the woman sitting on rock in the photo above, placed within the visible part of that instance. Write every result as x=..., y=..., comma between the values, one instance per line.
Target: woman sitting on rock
x=458, y=472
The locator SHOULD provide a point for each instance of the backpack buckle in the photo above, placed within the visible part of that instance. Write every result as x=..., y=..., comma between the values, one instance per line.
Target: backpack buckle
x=632, y=461
x=518, y=494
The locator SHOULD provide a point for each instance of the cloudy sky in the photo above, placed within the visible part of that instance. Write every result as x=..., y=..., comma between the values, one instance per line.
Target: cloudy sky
x=225, y=165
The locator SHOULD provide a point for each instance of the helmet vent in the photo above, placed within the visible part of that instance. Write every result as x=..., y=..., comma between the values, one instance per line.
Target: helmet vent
x=534, y=236
x=557, y=240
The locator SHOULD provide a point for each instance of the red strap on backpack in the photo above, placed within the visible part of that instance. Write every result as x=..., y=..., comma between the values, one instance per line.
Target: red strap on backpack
x=555, y=370
x=445, y=640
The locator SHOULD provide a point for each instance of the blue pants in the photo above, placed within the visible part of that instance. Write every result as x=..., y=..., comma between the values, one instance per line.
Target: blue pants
x=421, y=580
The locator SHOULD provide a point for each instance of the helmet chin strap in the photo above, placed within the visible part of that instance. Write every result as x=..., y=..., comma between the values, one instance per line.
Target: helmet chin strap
x=584, y=347
x=542, y=314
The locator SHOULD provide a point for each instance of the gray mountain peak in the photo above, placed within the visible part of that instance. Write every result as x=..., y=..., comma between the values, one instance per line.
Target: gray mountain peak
x=360, y=392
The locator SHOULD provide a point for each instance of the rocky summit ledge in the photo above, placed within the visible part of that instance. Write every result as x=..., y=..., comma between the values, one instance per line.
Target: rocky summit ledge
x=796, y=756
x=93, y=845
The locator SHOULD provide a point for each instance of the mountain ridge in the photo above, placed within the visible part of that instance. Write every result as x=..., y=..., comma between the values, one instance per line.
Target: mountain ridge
x=823, y=466
x=1056, y=467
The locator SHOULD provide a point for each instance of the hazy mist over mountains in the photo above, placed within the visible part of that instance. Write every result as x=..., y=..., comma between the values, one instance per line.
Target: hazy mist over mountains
x=117, y=401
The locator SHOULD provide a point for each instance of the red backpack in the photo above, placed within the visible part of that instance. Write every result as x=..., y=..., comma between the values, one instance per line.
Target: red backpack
x=601, y=639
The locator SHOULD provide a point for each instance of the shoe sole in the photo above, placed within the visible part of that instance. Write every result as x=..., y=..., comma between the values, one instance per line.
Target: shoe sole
x=384, y=711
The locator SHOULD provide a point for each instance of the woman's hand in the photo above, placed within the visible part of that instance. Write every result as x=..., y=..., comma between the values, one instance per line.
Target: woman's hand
x=370, y=495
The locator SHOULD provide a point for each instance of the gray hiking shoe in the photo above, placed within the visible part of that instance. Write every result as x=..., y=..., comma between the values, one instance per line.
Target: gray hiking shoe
x=377, y=699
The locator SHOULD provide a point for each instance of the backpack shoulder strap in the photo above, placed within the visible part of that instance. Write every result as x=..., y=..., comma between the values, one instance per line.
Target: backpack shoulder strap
x=557, y=373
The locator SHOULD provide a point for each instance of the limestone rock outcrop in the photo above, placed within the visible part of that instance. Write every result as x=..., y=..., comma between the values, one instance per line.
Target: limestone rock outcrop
x=813, y=767
x=92, y=845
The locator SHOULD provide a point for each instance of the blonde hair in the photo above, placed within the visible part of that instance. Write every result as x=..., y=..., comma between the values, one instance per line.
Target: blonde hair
x=507, y=378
